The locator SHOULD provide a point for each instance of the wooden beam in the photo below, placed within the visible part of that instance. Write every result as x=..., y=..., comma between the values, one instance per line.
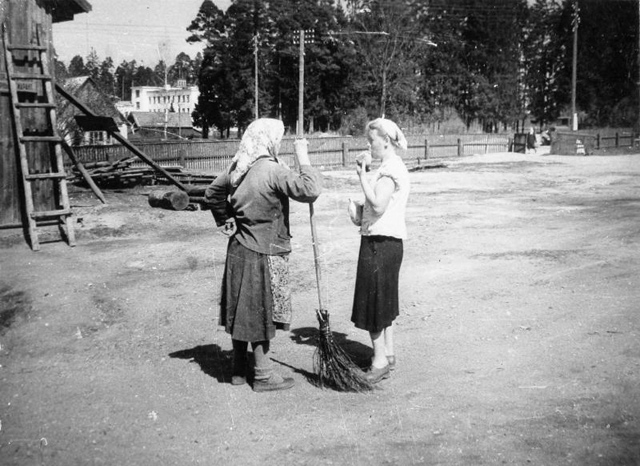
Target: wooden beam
x=85, y=174
x=116, y=135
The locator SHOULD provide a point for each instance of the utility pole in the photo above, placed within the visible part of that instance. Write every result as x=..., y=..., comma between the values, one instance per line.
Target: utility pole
x=574, y=74
x=300, y=129
x=301, y=39
x=255, y=90
x=163, y=48
x=638, y=124
x=166, y=102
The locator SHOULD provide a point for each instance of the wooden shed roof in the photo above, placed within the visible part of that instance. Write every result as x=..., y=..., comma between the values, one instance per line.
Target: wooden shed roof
x=84, y=88
x=64, y=10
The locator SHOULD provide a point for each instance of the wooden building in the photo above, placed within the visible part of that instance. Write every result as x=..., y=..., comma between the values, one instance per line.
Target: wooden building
x=85, y=89
x=28, y=22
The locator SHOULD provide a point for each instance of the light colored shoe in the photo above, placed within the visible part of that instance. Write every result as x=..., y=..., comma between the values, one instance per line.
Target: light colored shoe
x=273, y=383
x=238, y=379
x=375, y=375
x=392, y=362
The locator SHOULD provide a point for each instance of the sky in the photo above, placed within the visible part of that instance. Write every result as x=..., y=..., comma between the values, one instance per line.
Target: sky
x=126, y=30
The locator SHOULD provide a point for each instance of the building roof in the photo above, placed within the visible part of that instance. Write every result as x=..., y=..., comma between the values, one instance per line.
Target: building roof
x=64, y=10
x=125, y=107
x=157, y=119
x=71, y=85
x=85, y=89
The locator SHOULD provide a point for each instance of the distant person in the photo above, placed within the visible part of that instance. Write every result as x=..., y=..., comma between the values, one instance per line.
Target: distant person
x=531, y=140
x=553, y=135
x=545, y=138
x=382, y=229
x=252, y=201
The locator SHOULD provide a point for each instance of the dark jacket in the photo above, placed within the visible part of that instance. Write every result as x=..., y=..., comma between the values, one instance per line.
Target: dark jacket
x=260, y=204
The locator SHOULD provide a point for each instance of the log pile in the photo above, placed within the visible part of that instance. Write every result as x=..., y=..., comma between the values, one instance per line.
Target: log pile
x=116, y=174
x=122, y=174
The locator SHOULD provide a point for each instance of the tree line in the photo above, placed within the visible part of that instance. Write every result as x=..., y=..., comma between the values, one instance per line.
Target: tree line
x=492, y=62
x=116, y=82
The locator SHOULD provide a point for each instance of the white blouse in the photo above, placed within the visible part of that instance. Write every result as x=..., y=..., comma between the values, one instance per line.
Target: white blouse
x=392, y=221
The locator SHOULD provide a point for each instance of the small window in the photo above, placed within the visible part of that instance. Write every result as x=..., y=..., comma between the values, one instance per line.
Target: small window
x=98, y=138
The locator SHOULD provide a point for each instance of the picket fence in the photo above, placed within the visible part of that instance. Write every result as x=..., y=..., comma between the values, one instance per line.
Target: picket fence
x=214, y=156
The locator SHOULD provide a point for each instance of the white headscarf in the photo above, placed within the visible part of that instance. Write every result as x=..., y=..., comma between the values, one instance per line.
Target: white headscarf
x=262, y=138
x=389, y=128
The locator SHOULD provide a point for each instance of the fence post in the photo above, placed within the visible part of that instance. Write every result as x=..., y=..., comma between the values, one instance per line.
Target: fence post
x=617, y=140
x=598, y=141
x=426, y=149
x=460, y=148
x=182, y=158
x=345, y=154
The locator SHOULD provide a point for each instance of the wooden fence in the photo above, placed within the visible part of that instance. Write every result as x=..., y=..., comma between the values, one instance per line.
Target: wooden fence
x=585, y=143
x=616, y=140
x=214, y=156
x=565, y=142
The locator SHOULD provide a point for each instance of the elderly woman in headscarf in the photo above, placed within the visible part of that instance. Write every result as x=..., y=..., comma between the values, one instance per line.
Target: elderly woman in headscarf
x=383, y=229
x=251, y=202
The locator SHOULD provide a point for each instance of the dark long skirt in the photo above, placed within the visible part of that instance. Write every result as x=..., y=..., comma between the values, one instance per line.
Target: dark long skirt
x=375, y=304
x=256, y=297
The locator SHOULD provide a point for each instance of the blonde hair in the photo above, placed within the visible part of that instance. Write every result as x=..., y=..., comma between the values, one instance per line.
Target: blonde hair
x=388, y=128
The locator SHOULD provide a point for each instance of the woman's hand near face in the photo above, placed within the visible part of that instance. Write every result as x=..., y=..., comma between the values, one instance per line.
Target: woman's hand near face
x=360, y=168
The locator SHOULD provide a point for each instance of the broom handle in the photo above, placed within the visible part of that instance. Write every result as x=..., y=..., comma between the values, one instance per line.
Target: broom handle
x=300, y=135
x=316, y=255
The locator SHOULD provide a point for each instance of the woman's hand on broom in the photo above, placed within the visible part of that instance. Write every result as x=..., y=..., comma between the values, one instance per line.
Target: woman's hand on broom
x=301, y=148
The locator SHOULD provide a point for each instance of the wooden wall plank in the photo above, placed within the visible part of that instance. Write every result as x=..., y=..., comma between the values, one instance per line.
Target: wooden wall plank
x=23, y=19
x=10, y=187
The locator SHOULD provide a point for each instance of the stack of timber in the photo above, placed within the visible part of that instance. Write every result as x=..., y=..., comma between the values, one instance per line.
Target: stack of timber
x=122, y=174
x=116, y=174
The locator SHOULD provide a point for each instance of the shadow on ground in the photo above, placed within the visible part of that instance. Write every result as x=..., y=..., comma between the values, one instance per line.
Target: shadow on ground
x=213, y=360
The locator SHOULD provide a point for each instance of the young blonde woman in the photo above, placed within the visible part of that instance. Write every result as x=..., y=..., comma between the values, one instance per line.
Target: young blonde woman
x=382, y=229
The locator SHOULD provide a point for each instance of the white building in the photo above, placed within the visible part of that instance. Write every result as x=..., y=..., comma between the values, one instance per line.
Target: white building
x=125, y=107
x=179, y=99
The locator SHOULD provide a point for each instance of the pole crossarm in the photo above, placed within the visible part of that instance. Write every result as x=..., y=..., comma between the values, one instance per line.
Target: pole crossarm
x=424, y=40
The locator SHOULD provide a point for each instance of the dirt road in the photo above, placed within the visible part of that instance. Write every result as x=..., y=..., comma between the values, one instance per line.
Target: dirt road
x=518, y=341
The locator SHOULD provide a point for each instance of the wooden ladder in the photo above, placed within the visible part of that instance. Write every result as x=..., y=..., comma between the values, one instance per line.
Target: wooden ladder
x=23, y=83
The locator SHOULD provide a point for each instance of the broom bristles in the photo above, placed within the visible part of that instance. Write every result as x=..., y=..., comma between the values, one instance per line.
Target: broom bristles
x=334, y=367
